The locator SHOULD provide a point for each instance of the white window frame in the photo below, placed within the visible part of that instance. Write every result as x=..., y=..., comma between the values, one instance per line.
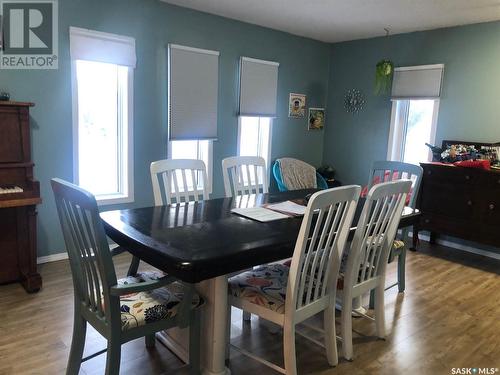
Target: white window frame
x=397, y=130
x=210, y=157
x=268, y=166
x=127, y=173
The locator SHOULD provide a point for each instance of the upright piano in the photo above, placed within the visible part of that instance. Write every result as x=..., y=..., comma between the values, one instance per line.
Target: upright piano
x=19, y=195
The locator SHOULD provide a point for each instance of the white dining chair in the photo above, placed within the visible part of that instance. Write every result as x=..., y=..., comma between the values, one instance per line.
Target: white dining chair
x=288, y=295
x=176, y=181
x=244, y=175
x=182, y=180
x=368, y=254
x=383, y=171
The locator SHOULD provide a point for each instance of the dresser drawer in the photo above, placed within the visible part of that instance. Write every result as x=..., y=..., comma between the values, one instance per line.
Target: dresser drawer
x=491, y=181
x=490, y=208
x=451, y=175
x=448, y=200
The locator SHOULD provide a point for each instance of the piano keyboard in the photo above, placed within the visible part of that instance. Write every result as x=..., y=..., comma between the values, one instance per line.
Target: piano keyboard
x=10, y=190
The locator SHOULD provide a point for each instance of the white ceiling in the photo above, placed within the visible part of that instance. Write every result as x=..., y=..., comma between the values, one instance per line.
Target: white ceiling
x=341, y=20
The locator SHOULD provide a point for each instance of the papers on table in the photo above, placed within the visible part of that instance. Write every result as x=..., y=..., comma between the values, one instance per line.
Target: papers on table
x=270, y=212
x=288, y=207
x=259, y=214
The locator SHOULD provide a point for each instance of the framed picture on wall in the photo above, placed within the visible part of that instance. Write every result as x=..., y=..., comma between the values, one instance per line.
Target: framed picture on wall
x=316, y=119
x=297, y=105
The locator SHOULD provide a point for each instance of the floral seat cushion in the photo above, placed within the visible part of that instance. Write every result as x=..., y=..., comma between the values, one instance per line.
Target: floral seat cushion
x=141, y=308
x=264, y=286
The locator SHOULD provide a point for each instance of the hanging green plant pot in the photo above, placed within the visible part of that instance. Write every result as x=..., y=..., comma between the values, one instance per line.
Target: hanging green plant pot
x=383, y=77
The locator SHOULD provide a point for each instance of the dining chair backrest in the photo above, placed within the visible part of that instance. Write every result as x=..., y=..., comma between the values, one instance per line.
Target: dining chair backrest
x=184, y=180
x=316, y=258
x=88, y=250
x=244, y=175
x=385, y=170
x=375, y=232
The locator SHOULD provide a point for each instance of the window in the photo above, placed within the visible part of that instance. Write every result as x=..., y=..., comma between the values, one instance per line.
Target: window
x=254, y=137
x=258, y=97
x=415, y=93
x=413, y=125
x=201, y=150
x=102, y=75
x=193, y=88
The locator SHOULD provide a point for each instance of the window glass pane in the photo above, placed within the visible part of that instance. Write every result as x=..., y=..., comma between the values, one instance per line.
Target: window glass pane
x=254, y=139
x=98, y=126
x=249, y=136
x=265, y=135
x=418, y=131
x=190, y=150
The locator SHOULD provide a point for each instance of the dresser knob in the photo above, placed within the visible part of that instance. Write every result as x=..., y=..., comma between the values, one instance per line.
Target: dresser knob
x=427, y=221
x=491, y=206
x=498, y=181
x=469, y=203
x=467, y=177
x=430, y=172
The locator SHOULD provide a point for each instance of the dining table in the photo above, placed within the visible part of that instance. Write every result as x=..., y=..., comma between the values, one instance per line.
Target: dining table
x=203, y=242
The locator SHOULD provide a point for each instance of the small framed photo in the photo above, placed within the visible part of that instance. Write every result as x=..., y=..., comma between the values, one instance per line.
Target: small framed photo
x=297, y=105
x=316, y=119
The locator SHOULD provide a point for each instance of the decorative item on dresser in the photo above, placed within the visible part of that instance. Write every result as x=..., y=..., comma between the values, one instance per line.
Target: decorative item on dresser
x=19, y=195
x=460, y=202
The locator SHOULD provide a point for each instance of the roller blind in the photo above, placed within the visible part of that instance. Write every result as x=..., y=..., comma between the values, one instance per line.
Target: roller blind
x=417, y=82
x=193, y=92
x=102, y=47
x=258, y=87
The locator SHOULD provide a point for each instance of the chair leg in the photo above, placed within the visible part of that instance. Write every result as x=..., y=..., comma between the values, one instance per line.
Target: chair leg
x=289, y=348
x=113, y=357
x=346, y=328
x=379, y=311
x=150, y=340
x=247, y=316
x=134, y=266
x=330, y=336
x=401, y=270
x=194, y=343
x=228, y=332
x=372, y=300
x=77, y=345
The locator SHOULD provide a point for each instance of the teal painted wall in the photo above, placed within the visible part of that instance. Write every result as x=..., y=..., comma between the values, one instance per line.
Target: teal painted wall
x=469, y=107
x=304, y=65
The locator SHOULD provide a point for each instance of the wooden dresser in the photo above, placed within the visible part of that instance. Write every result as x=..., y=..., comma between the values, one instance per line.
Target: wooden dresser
x=19, y=195
x=460, y=202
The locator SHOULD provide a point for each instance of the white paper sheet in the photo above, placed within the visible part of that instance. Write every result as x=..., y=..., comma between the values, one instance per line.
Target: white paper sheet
x=259, y=214
x=288, y=207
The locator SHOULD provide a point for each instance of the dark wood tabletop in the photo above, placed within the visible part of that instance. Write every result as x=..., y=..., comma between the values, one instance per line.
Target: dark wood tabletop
x=201, y=240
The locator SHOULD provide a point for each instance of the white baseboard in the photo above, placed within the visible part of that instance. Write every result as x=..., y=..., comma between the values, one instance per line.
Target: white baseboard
x=52, y=258
x=60, y=256
x=459, y=246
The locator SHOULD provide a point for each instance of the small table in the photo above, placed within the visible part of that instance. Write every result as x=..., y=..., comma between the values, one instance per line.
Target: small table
x=204, y=242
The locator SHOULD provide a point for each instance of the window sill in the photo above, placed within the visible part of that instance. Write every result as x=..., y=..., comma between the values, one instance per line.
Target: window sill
x=105, y=200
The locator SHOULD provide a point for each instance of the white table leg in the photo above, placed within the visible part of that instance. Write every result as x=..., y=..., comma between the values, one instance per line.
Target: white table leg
x=214, y=325
x=213, y=329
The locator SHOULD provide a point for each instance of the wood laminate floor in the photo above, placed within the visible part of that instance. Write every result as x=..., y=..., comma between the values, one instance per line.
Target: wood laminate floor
x=449, y=317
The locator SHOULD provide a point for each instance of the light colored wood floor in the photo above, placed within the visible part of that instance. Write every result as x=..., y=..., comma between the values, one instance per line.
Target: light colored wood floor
x=449, y=317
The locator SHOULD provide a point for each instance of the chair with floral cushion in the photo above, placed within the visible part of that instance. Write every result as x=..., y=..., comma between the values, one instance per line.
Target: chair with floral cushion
x=368, y=254
x=383, y=171
x=120, y=310
x=288, y=295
